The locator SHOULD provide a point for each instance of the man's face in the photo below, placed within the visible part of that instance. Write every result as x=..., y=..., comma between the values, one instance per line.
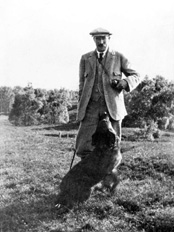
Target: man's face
x=101, y=42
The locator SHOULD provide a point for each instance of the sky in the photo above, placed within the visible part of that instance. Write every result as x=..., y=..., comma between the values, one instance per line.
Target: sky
x=42, y=41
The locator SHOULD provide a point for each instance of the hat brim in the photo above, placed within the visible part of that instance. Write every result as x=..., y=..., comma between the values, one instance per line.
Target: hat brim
x=100, y=34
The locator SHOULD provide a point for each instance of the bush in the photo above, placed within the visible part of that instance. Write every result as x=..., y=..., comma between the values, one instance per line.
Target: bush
x=32, y=107
x=151, y=100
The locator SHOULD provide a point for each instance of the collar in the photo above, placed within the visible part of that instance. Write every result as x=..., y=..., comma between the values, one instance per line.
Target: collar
x=104, y=53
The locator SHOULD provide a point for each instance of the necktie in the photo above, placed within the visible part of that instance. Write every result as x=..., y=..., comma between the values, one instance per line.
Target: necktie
x=100, y=56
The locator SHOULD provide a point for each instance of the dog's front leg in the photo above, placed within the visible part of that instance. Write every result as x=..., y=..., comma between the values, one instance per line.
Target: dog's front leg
x=111, y=181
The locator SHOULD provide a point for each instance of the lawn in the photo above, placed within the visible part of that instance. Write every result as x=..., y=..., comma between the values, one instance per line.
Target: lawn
x=34, y=159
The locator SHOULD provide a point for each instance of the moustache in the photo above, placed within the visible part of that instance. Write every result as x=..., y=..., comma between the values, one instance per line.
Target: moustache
x=101, y=45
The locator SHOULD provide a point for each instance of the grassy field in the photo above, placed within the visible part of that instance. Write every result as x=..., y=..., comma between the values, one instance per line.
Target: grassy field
x=34, y=159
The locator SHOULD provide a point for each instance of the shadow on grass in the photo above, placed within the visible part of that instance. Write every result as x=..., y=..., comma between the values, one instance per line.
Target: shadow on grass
x=29, y=216
x=40, y=215
x=66, y=127
x=161, y=220
x=62, y=127
x=67, y=135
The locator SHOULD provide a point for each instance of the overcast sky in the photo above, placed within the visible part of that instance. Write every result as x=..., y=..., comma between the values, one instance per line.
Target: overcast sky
x=41, y=41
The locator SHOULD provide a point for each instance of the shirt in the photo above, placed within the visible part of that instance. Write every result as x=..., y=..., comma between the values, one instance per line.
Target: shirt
x=98, y=53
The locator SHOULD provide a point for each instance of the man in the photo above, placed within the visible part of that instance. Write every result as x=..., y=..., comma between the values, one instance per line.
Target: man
x=101, y=88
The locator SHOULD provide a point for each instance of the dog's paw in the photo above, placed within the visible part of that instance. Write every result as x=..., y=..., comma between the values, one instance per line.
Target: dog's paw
x=58, y=206
x=61, y=209
x=98, y=187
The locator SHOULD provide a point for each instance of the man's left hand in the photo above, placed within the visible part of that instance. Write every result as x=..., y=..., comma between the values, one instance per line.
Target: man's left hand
x=121, y=84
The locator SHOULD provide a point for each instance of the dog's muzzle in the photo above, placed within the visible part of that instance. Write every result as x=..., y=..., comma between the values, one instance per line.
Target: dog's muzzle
x=104, y=136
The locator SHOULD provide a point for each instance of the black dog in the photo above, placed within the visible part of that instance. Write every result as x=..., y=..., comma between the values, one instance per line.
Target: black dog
x=99, y=166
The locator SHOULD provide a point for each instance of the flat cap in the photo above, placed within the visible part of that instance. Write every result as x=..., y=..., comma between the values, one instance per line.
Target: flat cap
x=100, y=31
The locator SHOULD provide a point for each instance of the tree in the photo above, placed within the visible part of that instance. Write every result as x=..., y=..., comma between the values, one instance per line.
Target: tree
x=24, y=111
x=138, y=103
x=56, y=106
x=35, y=106
x=163, y=102
x=6, y=99
x=152, y=100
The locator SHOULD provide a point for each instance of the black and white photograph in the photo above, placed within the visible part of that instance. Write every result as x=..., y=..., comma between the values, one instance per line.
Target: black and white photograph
x=86, y=116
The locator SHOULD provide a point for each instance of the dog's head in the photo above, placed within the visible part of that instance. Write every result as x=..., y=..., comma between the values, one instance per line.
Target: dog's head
x=105, y=136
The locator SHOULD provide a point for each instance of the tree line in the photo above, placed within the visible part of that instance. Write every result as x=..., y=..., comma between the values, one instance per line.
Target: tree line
x=28, y=106
x=151, y=101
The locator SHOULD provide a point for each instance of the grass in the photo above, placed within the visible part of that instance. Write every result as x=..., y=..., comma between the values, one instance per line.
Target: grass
x=34, y=159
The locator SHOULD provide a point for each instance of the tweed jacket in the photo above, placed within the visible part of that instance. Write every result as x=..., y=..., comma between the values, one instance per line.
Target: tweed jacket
x=115, y=65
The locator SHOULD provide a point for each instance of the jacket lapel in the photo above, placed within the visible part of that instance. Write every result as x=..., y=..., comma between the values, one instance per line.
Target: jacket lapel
x=108, y=62
x=92, y=60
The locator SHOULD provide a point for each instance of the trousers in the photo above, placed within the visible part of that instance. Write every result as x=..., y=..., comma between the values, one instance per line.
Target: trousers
x=89, y=124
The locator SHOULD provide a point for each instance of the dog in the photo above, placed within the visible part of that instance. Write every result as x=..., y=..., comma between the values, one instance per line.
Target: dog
x=99, y=167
